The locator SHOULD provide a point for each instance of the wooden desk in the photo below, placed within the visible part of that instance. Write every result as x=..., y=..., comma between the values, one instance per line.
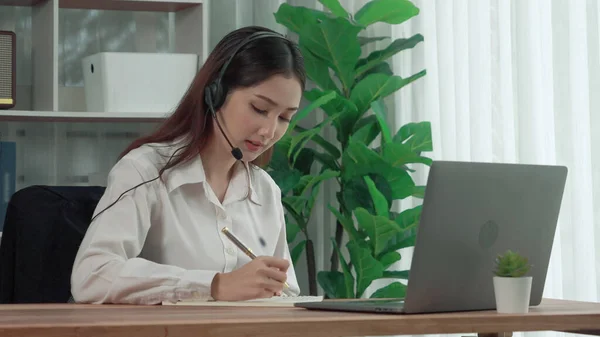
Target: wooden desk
x=65, y=320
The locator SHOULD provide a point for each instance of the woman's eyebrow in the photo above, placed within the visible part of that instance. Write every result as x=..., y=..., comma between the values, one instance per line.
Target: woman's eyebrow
x=273, y=102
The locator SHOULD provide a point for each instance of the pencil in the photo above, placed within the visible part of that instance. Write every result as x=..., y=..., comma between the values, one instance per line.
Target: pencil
x=243, y=247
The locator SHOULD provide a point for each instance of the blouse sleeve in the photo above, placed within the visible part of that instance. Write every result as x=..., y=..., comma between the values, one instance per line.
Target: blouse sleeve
x=107, y=268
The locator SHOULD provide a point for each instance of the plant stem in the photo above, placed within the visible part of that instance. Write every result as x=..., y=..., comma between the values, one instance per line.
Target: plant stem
x=310, y=262
x=339, y=232
x=339, y=229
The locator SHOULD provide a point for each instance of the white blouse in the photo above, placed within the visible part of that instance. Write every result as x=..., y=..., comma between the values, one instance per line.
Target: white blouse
x=163, y=241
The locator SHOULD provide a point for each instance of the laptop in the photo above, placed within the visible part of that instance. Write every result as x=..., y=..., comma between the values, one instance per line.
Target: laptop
x=471, y=213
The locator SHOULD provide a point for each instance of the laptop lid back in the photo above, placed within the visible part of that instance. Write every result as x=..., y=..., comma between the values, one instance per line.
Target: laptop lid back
x=471, y=213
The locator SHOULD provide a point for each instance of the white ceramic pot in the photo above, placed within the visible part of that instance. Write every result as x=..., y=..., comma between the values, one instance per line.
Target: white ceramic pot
x=512, y=294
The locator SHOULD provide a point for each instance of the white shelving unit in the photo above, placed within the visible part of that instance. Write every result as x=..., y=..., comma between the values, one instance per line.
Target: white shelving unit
x=49, y=101
x=58, y=141
x=80, y=117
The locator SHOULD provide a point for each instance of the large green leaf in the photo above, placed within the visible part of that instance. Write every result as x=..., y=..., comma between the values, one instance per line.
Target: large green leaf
x=415, y=135
x=381, y=68
x=300, y=140
x=316, y=93
x=286, y=179
x=408, y=220
x=311, y=201
x=409, y=217
x=389, y=258
x=327, y=146
x=398, y=155
x=326, y=159
x=366, y=130
x=295, y=18
x=291, y=210
x=296, y=203
x=291, y=231
x=356, y=193
x=317, y=70
x=300, y=206
x=279, y=160
x=335, y=41
x=366, y=266
x=403, y=239
x=348, y=278
x=393, y=290
x=364, y=40
x=379, y=201
x=358, y=160
x=335, y=8
x=419, y=192
x=296, y=252
x=389, y=11
x=380, y=229
x=346, y=223
x=380, y=112
x=304, y=162
x=400, y=274
x=376, y=86
x=401, y=183
x=379, y=56
x=339, y=105
x=323, y=99
x=365, y=121
x=309, y=181
x=333, y=283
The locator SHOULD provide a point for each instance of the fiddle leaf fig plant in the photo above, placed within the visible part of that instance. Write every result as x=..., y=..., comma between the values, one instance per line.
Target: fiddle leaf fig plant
x=370, y=164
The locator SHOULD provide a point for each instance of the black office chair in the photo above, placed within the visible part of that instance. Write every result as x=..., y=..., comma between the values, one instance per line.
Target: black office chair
x=43, y=229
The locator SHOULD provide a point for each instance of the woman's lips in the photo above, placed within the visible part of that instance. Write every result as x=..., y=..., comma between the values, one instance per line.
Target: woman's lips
x=253, y=146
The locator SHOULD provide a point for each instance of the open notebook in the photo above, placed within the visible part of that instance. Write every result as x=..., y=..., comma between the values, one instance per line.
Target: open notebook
x=276, y=301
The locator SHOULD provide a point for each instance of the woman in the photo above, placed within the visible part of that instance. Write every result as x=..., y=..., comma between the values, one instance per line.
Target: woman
x=156, y=233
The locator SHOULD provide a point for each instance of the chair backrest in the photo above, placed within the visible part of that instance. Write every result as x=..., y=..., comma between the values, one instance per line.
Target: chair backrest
x=43, y=229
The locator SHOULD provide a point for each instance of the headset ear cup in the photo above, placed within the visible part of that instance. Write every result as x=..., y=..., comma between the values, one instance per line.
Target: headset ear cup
x=208, y=99
x=218, y=94
x=213, y=96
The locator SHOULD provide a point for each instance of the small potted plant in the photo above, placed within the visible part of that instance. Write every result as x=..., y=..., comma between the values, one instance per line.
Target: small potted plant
x=512, y=288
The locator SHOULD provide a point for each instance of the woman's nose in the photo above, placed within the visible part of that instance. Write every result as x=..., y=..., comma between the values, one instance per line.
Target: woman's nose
x=269, y=127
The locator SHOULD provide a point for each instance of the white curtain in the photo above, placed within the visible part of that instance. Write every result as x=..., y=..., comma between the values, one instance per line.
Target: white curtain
x=517, y=82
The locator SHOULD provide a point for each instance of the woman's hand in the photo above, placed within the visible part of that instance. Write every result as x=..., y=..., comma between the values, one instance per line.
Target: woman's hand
x=261, y=278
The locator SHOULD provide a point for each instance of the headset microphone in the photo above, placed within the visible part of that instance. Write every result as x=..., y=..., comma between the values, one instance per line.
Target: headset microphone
x=237, y=153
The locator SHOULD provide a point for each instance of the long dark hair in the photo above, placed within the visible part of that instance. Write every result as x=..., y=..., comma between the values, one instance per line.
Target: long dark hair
x=255, y=62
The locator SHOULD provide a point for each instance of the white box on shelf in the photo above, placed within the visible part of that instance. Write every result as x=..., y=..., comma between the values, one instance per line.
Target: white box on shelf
x=137, y=82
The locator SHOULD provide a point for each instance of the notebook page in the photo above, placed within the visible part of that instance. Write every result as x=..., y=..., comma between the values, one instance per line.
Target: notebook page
x=275, y=301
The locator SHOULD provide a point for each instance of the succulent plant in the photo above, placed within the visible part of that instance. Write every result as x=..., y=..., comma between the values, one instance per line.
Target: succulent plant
x=511, y=264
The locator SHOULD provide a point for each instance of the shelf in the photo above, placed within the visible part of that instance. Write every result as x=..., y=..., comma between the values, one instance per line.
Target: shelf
x=131, y=5
x=67, y=116
x=55, y=50
x=26, y=3
x=126, y=5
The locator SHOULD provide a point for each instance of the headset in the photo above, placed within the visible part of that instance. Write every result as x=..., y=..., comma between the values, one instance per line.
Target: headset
x=215, y=94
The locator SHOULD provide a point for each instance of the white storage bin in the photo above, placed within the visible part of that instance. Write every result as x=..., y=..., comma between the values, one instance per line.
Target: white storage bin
x=137, y=82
